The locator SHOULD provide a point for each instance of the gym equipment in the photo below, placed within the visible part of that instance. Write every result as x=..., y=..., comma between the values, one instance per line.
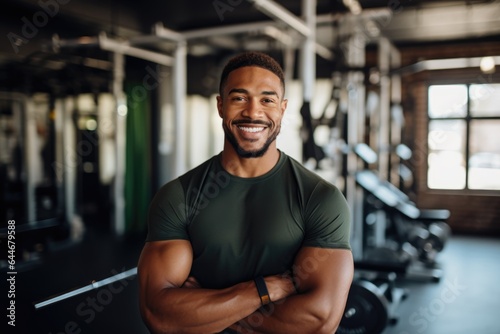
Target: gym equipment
x=92, y=286
x=366, y=310
x=309, y=148
x=30, y=191
x=428, y=241
x=423, y=232
x=371, y=305
x=395, y=199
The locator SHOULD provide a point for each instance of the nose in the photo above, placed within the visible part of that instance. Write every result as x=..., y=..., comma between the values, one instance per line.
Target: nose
x=253, y=109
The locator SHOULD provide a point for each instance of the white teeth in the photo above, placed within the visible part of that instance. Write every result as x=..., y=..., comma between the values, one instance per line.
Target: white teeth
x=251, y=129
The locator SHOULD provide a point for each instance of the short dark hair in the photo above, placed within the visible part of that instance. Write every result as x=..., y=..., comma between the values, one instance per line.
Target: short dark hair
x=251, y=58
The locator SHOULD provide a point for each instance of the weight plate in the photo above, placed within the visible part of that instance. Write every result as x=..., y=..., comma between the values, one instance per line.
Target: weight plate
x=366, y=310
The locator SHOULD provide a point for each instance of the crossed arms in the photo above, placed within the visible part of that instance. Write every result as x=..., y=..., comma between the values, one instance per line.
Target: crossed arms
x=173, y=302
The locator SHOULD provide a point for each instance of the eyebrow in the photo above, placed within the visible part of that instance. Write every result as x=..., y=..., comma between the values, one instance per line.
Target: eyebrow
x=244, y=91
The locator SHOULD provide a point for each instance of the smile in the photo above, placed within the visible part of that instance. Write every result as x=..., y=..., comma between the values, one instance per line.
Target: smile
x=251, y=129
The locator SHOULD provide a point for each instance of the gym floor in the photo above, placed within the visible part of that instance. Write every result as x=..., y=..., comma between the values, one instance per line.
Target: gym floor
x=465, y=300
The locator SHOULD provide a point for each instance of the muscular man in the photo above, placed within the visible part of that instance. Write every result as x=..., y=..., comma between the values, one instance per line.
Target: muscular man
x=249, y=219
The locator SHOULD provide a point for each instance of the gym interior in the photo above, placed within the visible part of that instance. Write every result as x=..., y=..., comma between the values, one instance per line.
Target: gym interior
x=397, y=103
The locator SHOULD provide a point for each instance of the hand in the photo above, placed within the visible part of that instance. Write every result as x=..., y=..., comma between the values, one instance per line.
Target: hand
x=280, y=286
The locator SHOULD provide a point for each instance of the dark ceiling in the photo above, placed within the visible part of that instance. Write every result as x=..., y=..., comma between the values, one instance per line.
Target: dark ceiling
x=28, y=26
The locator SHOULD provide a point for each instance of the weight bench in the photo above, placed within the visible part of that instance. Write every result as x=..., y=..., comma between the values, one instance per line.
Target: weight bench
x=410, y=220
x=395, y=199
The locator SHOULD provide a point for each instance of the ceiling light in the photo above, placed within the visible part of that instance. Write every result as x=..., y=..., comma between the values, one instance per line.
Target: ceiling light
x=487, y=65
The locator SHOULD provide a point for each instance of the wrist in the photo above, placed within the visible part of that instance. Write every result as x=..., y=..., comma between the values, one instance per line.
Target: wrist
x=262, y=290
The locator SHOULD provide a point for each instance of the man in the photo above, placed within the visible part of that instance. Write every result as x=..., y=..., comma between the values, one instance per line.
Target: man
x=250, y=241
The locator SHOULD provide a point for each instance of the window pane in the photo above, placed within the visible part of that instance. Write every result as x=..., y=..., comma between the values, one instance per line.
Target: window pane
x=446, y=160
x=484, y=158
x=484, y=136
x=485, y=100
x=447, y=101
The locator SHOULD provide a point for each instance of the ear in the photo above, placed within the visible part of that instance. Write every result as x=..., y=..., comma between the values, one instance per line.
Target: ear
x=284, y=104
x=219, y=105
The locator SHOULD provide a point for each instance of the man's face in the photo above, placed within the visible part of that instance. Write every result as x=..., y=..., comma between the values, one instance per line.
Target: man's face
x=251, y=108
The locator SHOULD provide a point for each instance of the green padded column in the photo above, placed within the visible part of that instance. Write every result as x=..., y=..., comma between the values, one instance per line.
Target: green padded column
x=138, y=158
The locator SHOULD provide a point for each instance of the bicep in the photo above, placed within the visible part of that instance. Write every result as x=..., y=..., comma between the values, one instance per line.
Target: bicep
x=163, y=264
x=324, y=273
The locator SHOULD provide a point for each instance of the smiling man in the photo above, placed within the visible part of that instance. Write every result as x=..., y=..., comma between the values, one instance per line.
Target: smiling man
x=249, y=241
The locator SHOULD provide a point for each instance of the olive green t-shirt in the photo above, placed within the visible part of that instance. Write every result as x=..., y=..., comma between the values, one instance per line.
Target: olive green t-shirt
x=241, y=228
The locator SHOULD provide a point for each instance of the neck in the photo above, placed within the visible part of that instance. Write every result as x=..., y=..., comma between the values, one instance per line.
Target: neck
x=248, y=167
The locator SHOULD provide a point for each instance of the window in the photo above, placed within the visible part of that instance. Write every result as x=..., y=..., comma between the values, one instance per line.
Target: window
x=464, y=136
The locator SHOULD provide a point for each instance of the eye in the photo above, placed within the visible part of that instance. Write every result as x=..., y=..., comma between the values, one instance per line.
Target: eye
x=238, y=99
x=267, y=100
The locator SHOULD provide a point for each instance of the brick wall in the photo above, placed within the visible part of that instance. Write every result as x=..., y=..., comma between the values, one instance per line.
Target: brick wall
x=411, y=55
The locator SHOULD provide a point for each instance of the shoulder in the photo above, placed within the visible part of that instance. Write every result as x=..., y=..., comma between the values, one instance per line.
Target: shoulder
x=309, y=181
x=176, y=189
x=300, y=169
x=316, y=193
x=199, y=173
x=172, y=205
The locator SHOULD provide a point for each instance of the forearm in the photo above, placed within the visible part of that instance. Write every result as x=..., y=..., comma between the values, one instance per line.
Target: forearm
x=193, y=310
x=295, y=314
x=322, y=294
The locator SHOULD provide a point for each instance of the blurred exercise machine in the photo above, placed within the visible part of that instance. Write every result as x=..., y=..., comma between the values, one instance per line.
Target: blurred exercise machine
x=374, y=296
x=372, y=304
x=31, y=193
x=409, y=239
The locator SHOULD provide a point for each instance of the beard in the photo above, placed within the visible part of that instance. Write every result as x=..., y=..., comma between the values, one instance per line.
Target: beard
x=229, y=136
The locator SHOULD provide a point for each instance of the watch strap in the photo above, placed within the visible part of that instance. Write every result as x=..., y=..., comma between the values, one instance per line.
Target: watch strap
x=260, y=283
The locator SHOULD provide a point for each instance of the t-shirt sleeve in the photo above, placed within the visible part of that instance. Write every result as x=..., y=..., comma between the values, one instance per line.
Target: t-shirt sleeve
x=167, y=216
x=328, y=218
